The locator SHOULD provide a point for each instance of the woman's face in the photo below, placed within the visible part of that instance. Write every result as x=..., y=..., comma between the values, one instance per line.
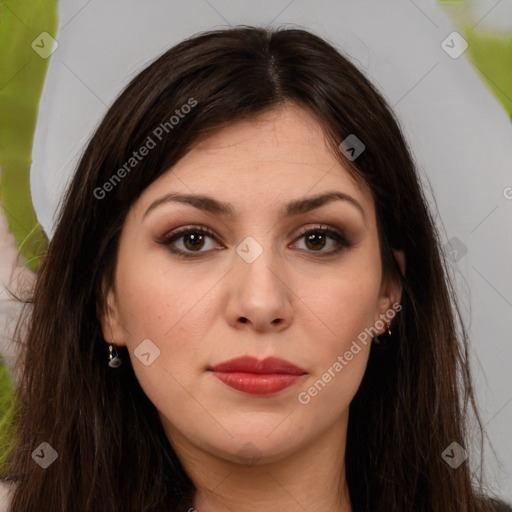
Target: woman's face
x=254, y=285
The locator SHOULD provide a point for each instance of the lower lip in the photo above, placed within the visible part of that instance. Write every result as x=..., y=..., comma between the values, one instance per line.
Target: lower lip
x=258, y=383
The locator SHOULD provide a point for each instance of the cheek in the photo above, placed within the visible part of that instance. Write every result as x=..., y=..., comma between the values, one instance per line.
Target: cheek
x=344, y=303
x=342, y=309
x=164, y=307
x=158, y=299
x=173, y=308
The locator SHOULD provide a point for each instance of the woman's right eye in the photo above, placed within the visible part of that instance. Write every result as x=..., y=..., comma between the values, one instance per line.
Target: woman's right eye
x=191, y=238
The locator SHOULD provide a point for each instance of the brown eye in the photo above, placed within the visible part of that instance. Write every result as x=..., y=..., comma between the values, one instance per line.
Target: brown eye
x=317, y=239
x=192, y=240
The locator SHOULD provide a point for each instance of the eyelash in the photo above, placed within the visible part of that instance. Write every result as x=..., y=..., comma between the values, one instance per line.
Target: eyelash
x=168, y=239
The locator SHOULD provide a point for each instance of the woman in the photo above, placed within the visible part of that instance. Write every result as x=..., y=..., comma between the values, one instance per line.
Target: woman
x=244, y=305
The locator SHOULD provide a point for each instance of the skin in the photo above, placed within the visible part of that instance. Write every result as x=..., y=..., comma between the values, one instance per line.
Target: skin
x=297, y=305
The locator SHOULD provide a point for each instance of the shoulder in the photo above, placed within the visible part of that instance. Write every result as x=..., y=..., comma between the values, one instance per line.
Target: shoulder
x=501, y=506
x=497, y=504
x=6, y=488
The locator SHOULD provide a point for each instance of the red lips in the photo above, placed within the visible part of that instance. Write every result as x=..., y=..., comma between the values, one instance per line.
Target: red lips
x=256, y=377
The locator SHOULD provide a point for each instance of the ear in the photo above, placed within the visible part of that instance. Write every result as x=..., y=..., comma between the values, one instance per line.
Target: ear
x=110, y=326
x=391, y=291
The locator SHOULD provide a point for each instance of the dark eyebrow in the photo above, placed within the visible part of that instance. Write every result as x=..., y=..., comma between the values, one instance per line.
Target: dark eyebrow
x=296, y=207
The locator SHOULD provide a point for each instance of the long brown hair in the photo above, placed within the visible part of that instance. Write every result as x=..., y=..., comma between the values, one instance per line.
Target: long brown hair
x=112, y=451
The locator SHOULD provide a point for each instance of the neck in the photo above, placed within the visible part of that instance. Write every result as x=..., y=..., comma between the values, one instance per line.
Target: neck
x=312, y=478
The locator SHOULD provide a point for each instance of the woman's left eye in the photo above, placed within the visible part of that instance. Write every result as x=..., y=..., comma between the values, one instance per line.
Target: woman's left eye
x=317, y=238
x=192, y=239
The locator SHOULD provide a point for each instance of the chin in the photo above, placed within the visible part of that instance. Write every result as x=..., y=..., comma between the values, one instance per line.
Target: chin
x=251, y=448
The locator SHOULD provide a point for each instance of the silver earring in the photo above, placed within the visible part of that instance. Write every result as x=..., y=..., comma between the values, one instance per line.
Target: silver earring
x=113, y=357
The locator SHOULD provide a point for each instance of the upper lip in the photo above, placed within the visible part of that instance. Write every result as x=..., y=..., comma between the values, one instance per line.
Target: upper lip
x=248, y=364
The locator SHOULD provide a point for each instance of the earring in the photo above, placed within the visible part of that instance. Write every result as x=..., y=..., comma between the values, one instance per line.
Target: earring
x=384, y=339
x=113, y=357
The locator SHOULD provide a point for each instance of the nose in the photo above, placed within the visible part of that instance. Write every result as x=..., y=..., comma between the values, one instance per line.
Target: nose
x=260, y=294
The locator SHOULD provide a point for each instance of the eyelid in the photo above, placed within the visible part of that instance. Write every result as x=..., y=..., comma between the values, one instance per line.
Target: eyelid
x=322, y=227
x=186, y=229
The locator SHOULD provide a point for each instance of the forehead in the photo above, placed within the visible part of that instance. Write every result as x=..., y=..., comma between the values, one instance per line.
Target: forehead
x=288, y=133
x=279, y=153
